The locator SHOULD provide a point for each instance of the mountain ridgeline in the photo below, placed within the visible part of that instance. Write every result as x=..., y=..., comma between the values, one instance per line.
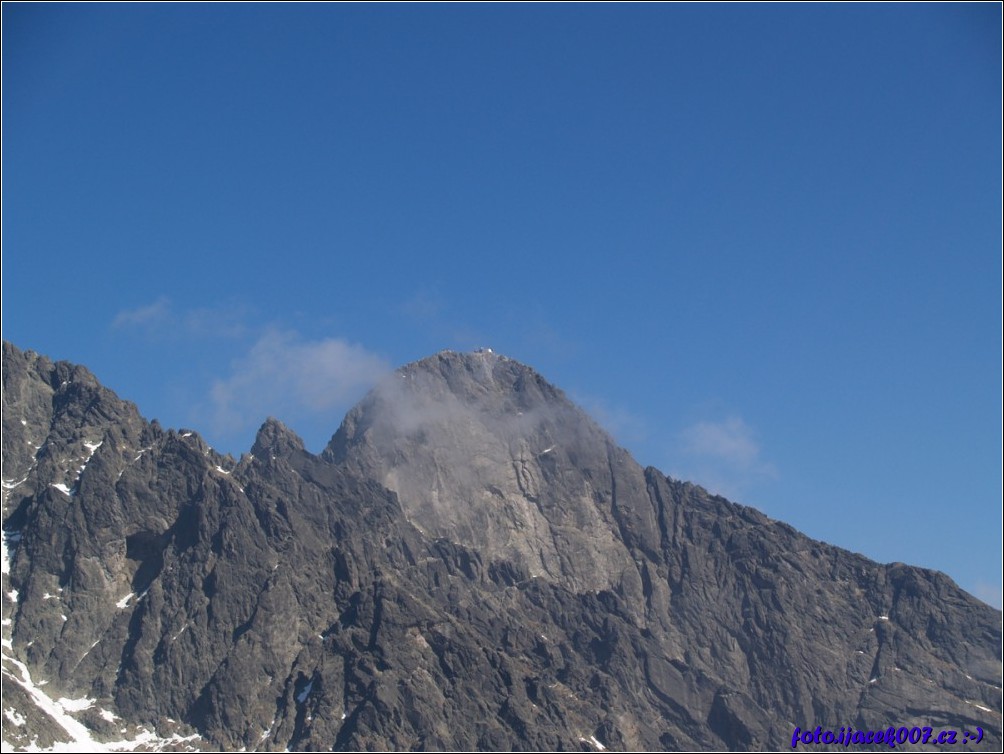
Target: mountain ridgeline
x=471, y=563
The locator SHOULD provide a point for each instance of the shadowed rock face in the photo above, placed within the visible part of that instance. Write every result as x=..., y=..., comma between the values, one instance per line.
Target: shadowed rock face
x=471, y=563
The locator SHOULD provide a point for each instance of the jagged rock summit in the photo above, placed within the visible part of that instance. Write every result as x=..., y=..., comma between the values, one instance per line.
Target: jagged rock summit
x=472, y=563
x=482, y=451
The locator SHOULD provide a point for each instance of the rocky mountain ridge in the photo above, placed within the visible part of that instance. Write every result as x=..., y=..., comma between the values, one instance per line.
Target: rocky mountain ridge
x=471, y=563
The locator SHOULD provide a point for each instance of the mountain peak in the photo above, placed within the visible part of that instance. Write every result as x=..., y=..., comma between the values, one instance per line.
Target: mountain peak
x=483, y=451
x=156, y=582
x=276, y=439
x=482, y=366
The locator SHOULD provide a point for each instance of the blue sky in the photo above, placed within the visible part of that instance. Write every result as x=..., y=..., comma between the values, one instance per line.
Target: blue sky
x=762, y=245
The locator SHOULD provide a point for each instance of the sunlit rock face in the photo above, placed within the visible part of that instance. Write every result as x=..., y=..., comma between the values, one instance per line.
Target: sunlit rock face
x=471, y=564
x=482, y=451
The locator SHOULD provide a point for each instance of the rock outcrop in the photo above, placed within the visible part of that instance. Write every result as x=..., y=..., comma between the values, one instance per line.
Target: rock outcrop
x=471, y=563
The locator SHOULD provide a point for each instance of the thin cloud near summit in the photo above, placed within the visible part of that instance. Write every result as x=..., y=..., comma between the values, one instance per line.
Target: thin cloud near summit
x=284, y=375
x=724, y=456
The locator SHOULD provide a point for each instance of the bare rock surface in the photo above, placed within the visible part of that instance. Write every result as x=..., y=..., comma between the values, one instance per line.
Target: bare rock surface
x=472, y=563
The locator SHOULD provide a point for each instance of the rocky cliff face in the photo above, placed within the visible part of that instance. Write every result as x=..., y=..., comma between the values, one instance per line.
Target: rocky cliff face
x=471, y=563
x=482, y=451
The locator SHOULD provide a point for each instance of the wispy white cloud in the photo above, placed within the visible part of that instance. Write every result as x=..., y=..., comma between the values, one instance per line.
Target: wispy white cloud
x=625, y=426
x=223, y=321
x=428, y=313
x=424, y=305
x=730, y=441
x=162, y=319
x=144, y=316
x=286, y=376
x=724, y=456
x=989, y=593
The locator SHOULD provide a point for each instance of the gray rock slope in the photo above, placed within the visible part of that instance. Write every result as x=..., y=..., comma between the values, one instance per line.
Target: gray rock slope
x=470, y=563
